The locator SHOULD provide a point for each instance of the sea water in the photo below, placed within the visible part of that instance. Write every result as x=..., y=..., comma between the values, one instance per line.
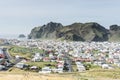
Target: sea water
x=10, y=36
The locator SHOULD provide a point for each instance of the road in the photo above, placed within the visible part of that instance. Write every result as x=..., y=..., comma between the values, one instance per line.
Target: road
x=69, y=62
x=9, y=57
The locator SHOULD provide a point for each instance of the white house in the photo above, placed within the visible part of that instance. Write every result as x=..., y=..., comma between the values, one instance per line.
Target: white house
x=2, y=67
x=80, y=66
x=45, y=70
x=106, y=66
x=37, y=57
x=20, y=65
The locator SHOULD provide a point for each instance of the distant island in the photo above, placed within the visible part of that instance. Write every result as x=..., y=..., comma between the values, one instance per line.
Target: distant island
x=21, y=36
x=91, y=31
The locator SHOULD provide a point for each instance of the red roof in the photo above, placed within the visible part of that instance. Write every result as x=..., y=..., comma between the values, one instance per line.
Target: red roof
x=2, y=56
x=82, y=59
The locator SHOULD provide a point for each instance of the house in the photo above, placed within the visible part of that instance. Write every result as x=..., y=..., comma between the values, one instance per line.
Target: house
x=80, y=67
x=25, y=60
x=60, y=64
x=58, y=70
x=20, y=65
x=45, y=70
x=82, y=59
x=99, y=63
x=2, y=67
x=2, y=56
x=118, y=64
x=34, y=68
x=2, y=61
x=46, y=59
x=17, y=57
x=37, y=57
x=51, y=55
x=106, y=66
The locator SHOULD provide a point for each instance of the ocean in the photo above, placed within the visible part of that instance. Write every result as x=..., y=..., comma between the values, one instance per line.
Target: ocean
x=9, y=36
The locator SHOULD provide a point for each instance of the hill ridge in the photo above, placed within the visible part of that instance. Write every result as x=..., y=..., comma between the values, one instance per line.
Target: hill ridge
x=90, y=31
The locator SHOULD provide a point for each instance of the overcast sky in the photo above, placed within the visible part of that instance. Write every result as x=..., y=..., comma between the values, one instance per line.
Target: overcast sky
x=20, y=16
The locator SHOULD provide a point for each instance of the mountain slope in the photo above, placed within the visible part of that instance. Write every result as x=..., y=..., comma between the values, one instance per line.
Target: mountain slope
x=45, y=31
x=84, y=32
x=76, y=32
x=114, y=33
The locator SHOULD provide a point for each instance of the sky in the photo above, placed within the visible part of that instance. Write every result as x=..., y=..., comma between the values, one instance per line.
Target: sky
x=20, y=16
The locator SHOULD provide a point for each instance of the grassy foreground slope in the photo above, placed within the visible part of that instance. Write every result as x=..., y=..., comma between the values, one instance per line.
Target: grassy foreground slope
x=94, y=74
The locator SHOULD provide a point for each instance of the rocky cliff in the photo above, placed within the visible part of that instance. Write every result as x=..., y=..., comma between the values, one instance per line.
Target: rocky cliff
x=84, y=32
x=114, y=33
x=21, y=36
x=91, y=31
x=45, y=31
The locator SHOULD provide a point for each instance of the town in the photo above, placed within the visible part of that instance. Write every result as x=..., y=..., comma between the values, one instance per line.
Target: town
x=61, y=56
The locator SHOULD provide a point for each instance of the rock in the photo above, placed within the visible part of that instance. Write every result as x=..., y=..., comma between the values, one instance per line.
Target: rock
x=84, y=32
x=114, y=27
x=91, y=31
x=114, y=33
x=45, y=31
x=21, y=36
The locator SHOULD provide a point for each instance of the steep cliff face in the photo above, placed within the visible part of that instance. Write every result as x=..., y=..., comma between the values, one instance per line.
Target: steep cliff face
x=45, y=31
x=34, y=33
x=77, y=32
x=84, y=32
x=114, y=33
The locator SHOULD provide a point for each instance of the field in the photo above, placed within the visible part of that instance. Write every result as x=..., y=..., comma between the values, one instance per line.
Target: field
x=23, y=51
x=42, y=64
x=95, y=74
